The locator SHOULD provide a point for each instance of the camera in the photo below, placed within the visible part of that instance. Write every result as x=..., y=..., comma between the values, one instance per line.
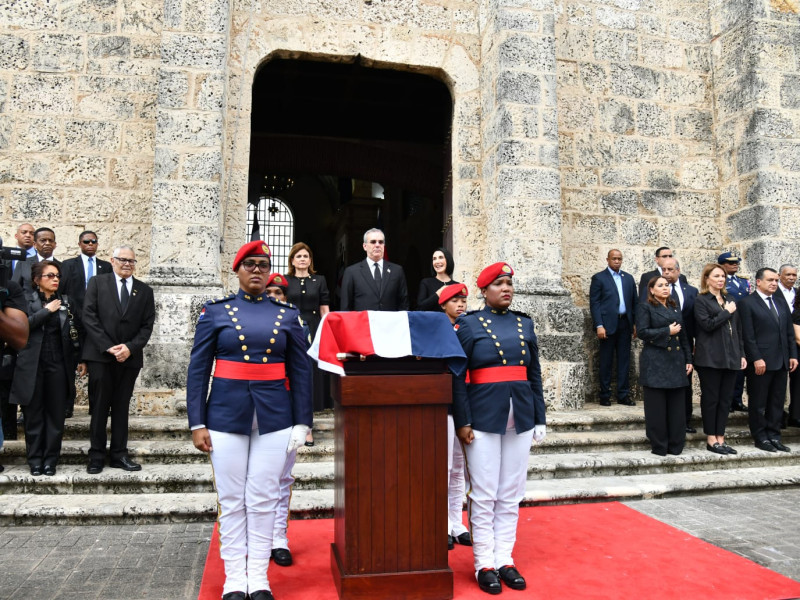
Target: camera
x=11, y=253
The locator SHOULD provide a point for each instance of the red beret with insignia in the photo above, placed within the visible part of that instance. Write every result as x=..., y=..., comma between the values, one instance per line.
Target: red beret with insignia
x=256, y=248
x=492, y=272
x=453, y=290
x=278, y=280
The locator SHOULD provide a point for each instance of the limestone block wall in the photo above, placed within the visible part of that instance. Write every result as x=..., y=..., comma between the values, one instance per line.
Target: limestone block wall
x=78, y=84
x=636, y=148
x=756, y=59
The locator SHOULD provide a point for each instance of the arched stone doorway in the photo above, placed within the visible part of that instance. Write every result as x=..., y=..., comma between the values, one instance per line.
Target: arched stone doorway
x=366, y=147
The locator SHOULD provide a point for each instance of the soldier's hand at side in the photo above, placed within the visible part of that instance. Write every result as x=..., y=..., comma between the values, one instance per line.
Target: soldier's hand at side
x=202, y=440
x=465, y=434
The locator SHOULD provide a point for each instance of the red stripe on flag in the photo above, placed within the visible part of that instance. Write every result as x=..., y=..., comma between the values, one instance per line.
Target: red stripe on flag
x=345, y=332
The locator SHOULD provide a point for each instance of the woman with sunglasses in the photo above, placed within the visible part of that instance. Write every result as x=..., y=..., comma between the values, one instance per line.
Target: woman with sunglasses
x=250, y=421
x=44, y=374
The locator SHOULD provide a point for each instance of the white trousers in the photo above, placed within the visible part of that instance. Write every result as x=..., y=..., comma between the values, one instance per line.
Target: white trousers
x=247, y=471
x=455, y=478
x=280, y=536
x=497, y=468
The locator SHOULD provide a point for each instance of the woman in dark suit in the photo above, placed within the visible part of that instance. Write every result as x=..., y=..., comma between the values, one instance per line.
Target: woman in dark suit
x=718, y=354
x=308, y=292
x=664, y=367
x=43, y=378
x=442, y=275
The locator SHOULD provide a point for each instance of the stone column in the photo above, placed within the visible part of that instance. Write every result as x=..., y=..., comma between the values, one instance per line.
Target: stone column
x=755, y=49
x=188, y=184
x=522, y=182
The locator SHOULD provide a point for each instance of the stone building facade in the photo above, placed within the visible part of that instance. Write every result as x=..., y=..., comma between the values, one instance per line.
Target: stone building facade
x=578, y=126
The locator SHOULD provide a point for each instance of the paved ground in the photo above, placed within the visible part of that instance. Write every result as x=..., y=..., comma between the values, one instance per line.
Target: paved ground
x=138, y=562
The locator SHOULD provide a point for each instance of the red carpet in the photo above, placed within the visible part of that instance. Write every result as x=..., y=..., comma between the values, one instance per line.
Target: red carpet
x=587, y=551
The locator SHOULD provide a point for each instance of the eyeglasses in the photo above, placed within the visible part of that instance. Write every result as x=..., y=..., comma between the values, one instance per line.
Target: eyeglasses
x=124, y=261
x=376, y=241
x=52, y=275
x=88, y=241
x=251, y=265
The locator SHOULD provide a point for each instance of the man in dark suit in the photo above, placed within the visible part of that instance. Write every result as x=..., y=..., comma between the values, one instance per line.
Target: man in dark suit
x=118, y=315
x=612, y=302
x=75, y=275
x=684, y=295
x=374, y=283
x=76, y=272
x=662, y=254
x=771, y=352
x=787, y=278
x=44, y=241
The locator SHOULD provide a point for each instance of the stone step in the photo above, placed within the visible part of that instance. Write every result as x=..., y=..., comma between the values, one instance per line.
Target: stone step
x=544, y=466
x=170, y=452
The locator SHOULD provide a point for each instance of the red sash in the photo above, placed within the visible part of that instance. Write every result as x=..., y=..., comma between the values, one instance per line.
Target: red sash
x=228, y=369
x=497, y=374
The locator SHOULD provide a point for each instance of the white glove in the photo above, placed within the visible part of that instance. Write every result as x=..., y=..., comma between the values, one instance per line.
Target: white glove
x=539, y=432
x=297, y=437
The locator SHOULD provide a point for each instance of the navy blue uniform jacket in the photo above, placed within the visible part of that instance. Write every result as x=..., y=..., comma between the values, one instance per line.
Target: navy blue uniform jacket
x=254, y=330
x=495, y=338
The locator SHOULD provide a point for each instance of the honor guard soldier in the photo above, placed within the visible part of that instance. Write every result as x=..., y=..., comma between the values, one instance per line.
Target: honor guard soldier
x=497, y=415
x=738, y=287
x=250, y=421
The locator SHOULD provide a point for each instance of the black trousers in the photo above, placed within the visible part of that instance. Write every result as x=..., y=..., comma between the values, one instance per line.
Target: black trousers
x=766, y=394
x=112, y=384
x=716, y=395
x=618, y=343
x=8, y=411
x=665, y=419
x=689, y=394
x=44, y=415
x=794, y=394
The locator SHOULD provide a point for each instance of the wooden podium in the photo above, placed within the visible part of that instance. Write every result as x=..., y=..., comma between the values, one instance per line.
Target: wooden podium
x=390, y=505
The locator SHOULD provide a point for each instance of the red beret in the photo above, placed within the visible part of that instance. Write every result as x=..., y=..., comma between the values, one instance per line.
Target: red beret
x=451, y=291
x=492, y=272
x=256, y=248
x=278, y=280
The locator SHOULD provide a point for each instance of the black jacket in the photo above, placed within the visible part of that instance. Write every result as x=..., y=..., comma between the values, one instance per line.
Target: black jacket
x=664, y=357
x=765, y=338
x=359, y=291
x=73, y=278
x=718, y=335
x=27, y=365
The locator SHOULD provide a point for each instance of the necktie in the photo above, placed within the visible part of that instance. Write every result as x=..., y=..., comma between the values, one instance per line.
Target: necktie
x=675, y=296
x=772, y=309
x=377, y=275
x=90, y=270
x=123, y=297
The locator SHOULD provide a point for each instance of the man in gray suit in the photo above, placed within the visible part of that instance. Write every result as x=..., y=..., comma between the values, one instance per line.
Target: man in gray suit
x=374, y=283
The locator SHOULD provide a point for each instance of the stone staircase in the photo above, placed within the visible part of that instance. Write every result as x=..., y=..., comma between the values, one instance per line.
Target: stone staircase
x=590, y=455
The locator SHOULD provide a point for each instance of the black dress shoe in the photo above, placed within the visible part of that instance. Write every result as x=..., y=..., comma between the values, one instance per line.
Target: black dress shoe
x=261, y=595
x=605, y=402
x=658, y=452
x=489, y=582
x=68, y=414
x=512, y=578
x=766, y=445
x=234, y=596
x=464, y=539
x=729, y=449
x=779, y=446
x=717, y=448
x=626, y=402
x=126, y=464
x=2, y=468
x=282, y=557
x=793, y=422
x=49, y=470
x=690, y=429
x=36, y=470
x=95, y=467
x=738, y=406
x=450, y=543
x=309, y=444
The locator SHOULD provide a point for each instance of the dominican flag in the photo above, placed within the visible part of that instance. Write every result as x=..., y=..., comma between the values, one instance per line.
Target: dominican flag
x=388, y=335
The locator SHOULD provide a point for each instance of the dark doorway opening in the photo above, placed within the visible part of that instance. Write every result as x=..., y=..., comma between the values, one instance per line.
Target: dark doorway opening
x=364, y=147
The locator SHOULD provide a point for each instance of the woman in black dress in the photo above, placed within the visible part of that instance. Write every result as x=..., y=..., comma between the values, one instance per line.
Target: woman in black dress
x=442, y=271
x=664, y=367
x=44, y=376
x=308, y=291
x=718, y=355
